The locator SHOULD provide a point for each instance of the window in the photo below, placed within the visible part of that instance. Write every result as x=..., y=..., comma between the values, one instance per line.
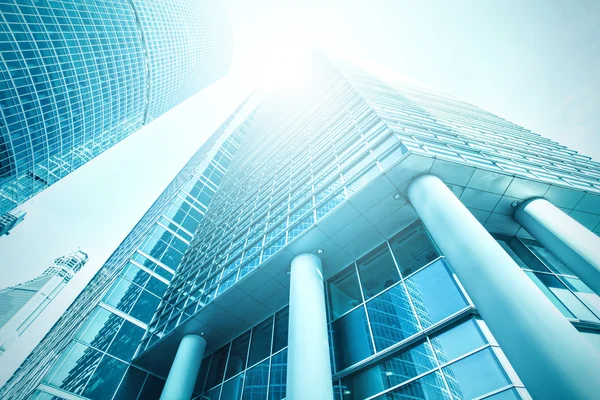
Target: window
x=377, y=271
x=344, y=292
x=257, y=378
x=280, y=335
x=351, y=339
x=413, y=249
x=238, y=355
x=261, y=341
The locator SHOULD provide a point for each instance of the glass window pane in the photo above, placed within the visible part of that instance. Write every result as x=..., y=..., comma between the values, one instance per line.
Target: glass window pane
x=202, y=374
x=457, y=341
x=567, y=297
x=238, y=355
x=122, y=295
x=475, y=375
x=67, y=373
x=392, y=372
x=152, y=388
x=212, y=394
x=548, y=258
x=255, y=386
x=510, y=394
x=351, y=339
x=131, y=385
x=392, y=318
x=280, y=336
x=377, y=271
x=278, y=376
x=584, y=293
x=344, y=292
x=525, y=256
x=145, y=306
x=217, y=367
x=232, y=389
x=106, y=378
x=126, y=341
x=100, y=328
x=261, y=341
x=413, y=249
x=434, y=294
x=429, y=387
x=593, y=338
x=549, y=294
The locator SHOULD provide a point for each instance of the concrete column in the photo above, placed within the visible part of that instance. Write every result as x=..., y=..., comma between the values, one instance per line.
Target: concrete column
x=572, y=243
x=309, y=367
x=184, y=371
x=548, y=353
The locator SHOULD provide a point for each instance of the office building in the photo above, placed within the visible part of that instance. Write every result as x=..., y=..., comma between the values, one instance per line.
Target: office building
x=77, y=77
x=9, y=220
x=89, y=350
x=20, y=305
x=369, y=240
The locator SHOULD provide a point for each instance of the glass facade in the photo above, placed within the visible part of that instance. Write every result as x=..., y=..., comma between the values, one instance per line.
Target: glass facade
x=102, y=329
x=77, y=77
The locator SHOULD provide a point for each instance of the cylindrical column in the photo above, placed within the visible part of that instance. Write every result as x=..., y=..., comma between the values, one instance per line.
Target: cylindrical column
x=309, y=367
x=184, y=371
x=572, y=243
x=547, y=352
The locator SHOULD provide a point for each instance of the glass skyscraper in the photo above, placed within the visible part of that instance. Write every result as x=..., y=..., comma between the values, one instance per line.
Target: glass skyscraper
x=77, y=77
x=367, y=240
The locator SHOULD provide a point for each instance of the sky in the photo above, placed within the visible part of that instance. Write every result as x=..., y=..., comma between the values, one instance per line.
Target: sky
x=535, y=63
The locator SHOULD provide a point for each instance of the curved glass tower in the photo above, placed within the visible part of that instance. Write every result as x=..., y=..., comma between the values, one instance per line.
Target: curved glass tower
x=77, y=77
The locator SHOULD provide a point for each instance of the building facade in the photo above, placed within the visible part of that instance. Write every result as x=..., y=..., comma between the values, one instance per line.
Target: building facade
x=368, y=240
x=9, y=220
x=376, y=240
x=77, y=77
x=88, y=352
x=20, y=305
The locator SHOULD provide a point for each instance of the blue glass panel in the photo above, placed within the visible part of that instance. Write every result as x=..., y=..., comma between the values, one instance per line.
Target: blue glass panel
x=74, y=368
x=344, y=292
x=429, y=387
x=434, y=294
x=232, y=389
x=392, y=318
x=510, y=394
x=106, y=378
x=475, y=375
x=280, y=334
x=457, y=341
x=277, y=384
x=152, y=388
x=256, y=384
x=145, y=306
x=122, y=295
x=126, y=341
x=413, y=249
x=351, y=339
x=238, y=355
x=377, y=271
x=100, y=328
x=217, y=367
x=131, y=385
x=261, y=341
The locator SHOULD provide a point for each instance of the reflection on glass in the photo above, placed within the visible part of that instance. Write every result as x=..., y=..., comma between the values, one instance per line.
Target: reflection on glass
x=100, y=328
x=278, y=376
x=217, y=367
x=377, y=271
x=344, y=292
x=202, y=374
x=232, y=389
x=522, y=256
x=212, y=394
x=280, y=335
x=510, y=394
x=131, y=385
x=413, y=249
x=238, y=355
x=351, y=339
x=548, y=258
x=126, y=341
x=392, y=318
x=74, y=368
x=106, y=378
x=475, y=375
x=152, y=388
x=145, y=306
x=584, y=293
x=255, y=387
x=122, y=295
x=261, y=341
x=429, y=387
x=394, y=371
x=434, y=294
x=457, y=341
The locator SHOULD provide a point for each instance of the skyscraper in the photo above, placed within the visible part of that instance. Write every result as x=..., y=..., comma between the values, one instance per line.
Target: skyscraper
x=103, y=327
x=9, y=220
x=77, y=77
x=368, y=239
x=20, y=305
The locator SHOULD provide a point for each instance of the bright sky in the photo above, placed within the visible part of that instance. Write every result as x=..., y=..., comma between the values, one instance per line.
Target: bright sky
x=535, y=63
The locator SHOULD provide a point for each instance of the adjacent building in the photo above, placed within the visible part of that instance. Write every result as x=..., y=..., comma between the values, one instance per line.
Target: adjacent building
x=367, y=239
x=9, y=220
x=20, y=305
x=88, y=352
x=77, y=77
